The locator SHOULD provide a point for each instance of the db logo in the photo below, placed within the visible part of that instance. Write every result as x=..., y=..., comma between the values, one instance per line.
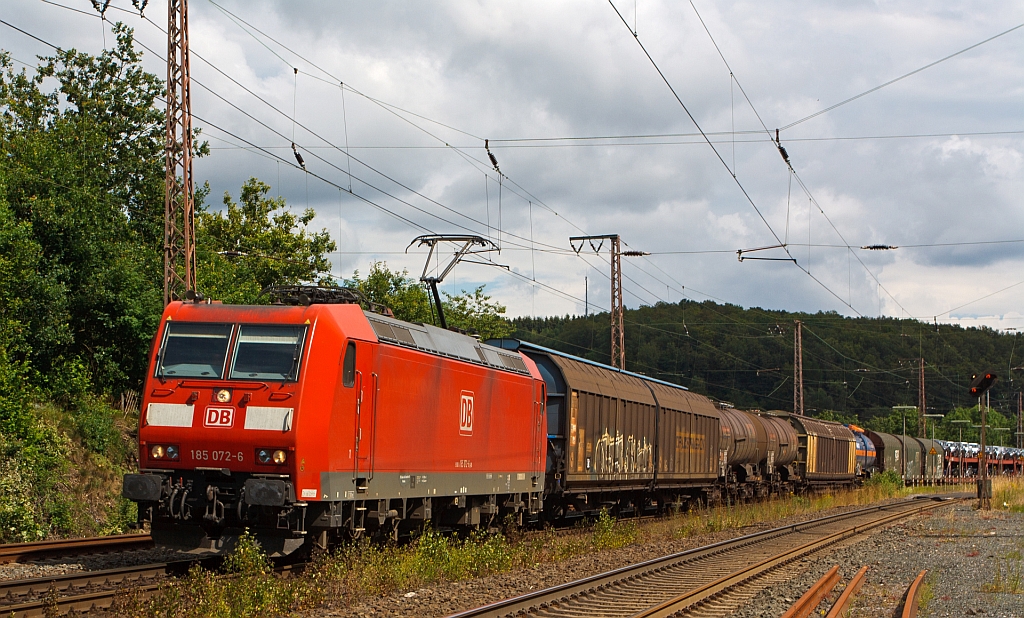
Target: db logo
x=219, y=417
x=466, y=414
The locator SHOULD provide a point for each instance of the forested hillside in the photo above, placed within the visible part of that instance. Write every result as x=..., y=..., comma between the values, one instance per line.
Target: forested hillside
x=854, y=368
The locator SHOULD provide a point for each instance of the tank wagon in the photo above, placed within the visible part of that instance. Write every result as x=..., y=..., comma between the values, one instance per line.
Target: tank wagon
x=319, y=420
x=756, y=454
x=867, y=455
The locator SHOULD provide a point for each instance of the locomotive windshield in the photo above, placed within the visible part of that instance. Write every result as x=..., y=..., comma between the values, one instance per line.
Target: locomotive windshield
x=265, y=352
x=194, y=350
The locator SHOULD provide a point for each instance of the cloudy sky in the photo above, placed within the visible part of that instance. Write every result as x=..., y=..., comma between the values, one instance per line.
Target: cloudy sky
x=591, y=140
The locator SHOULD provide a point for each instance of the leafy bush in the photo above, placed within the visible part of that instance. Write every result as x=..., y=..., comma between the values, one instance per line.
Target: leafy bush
x=610, y=534
x=95, y=423
x=19, y=519
x=889, y=480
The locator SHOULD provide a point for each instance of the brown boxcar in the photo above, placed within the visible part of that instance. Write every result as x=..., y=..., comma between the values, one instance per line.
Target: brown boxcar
x=616, y=430
x=827, y=451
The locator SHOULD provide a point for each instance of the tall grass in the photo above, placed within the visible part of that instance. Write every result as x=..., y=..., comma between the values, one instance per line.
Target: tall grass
x=1008, y=493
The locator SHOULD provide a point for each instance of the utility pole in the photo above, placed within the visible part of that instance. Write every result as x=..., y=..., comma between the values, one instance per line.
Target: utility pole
x=1020, y=426
x=921, y=428
x=179, y=198
x=798, y=368
x=618, y=347
x=985, y=490
x=979, y=387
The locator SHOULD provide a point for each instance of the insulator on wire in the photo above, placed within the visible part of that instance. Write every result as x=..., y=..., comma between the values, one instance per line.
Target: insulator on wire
x=490, y=155
x=101, y=7
x=298, y=157
x=140, y=5
x=782, y=149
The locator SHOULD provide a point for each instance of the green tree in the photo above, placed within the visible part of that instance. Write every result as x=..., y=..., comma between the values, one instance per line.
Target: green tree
x=82, y=176
x=474, y=312
x=405, y=296
x=409, y=300
x=257, y=242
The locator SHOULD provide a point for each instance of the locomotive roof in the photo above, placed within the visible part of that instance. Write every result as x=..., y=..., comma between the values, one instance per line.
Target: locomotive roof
x=423, y=337
x=444, y=343
x=516, y=344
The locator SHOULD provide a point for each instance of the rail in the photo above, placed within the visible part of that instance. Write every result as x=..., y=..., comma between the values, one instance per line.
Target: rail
x=913, y=596
x=810, y=600
x=632, y=590
x=87, y=590
x=842, y=604
x=21, y=552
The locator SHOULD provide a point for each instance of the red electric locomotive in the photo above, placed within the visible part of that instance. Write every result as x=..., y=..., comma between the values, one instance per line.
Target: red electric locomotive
x=319, y=421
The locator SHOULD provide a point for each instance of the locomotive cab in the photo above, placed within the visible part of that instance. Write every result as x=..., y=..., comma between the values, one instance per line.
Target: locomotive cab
x=216, y=441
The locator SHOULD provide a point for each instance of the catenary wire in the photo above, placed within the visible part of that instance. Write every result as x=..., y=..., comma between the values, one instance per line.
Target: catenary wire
x=726, y=165
x=901, y=77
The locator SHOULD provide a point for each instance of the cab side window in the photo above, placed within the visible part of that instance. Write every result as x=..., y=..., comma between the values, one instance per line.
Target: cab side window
x=348, y=373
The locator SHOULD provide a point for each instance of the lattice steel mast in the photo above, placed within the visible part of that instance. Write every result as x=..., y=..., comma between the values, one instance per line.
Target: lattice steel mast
x=179, y=197
x=798, y=368
x=618, y=331
x=921, y=409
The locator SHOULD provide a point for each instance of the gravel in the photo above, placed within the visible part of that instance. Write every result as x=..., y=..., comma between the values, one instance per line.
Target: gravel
x=89, y=562
x=447, y=598
x=960, y=547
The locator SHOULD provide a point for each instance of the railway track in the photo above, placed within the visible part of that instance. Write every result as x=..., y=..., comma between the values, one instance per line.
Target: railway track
x=81, y=592
x=23, y=552
x=707, y=581
x=96, y=590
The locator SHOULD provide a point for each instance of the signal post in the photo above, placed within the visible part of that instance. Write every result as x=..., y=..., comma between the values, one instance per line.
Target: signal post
x=980, y=385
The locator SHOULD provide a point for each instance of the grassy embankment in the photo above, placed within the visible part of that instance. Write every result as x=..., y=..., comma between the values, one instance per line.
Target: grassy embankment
x=364, y=571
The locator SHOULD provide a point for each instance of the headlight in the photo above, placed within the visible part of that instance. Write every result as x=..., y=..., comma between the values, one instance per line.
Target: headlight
x=223, y=395
x=159, y=451
x=271, y=456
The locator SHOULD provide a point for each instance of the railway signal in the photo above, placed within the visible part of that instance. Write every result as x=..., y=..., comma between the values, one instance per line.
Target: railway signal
x=980, y=383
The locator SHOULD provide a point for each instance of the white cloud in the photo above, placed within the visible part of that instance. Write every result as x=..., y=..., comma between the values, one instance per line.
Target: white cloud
x=539, y=69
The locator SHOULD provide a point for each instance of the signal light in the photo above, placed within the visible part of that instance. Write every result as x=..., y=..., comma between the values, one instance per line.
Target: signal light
x=981, y=383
